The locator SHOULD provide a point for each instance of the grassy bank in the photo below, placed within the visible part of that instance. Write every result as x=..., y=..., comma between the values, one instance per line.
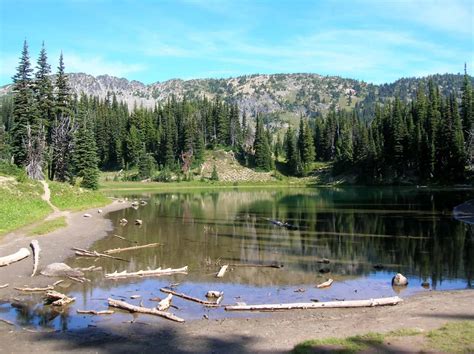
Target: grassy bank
x=48, y=226
x=67, y=197
x=454, y=337
x=20, y=204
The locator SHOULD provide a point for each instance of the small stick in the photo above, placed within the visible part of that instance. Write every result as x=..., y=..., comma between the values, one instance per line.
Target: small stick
x=93, y=312
x=123, y=238
x=222, y=271
x=256, y=265
x=326, y=284
x=85, y=253
x=7, y=322
x=117, y=250
x=32, y=290
x=58, y=282
x=4, y=286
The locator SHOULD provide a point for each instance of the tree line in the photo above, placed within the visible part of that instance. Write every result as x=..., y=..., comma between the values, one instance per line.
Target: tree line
x=46, y=127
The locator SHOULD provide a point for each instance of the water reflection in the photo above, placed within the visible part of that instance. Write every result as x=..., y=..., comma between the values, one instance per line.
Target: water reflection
x=368, y=234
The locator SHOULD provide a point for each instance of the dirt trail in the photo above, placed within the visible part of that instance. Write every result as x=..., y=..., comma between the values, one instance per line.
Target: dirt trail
x=47, y=198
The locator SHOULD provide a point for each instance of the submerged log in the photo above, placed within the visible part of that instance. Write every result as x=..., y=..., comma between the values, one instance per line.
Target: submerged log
x=274, y=265
x=123, y=238
x=317, y=305
x=191, y=298
x=35, y=290
x=57, y=299
x=93, y=312
x=85, y=253
x=118, y=250
x=147, y=273
x=14, y=257
x=150, y=311
x=222, y=271
x=36, y=251
x=326, y=284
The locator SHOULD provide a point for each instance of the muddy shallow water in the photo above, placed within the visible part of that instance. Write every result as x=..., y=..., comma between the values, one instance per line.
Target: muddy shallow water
x=367, y=234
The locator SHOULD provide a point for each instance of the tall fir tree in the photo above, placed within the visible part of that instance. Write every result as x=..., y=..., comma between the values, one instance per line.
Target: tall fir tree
x=43, y=90
x=263, y=157
x=63, y=91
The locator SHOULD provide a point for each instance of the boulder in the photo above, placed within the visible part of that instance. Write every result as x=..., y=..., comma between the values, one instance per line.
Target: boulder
x=61, y=270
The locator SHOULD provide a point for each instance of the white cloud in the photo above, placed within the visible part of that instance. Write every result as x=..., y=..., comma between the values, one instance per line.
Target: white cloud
x=96, y=65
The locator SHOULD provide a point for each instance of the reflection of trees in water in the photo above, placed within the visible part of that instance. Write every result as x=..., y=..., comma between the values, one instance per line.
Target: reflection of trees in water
x=406, y=230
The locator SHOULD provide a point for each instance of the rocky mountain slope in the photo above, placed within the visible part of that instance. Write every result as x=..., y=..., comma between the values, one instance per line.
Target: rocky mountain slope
x=280, y=95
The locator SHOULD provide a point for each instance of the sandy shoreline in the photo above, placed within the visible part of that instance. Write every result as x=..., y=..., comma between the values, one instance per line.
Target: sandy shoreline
x=55, y=247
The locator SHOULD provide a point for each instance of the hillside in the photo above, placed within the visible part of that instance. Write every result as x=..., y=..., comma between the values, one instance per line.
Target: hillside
x=277, y=95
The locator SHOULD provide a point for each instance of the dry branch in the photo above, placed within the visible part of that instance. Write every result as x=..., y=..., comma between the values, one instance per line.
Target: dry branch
x=79, y=279
x=316, y=305
x=36, y=251
x=222, y=271
x=117, y=250
x=85, y=253
x=190, y=298
x=4, y=286
x=93, y=312
x=326, y=284
x=123, y=238
x=14, y=257
x=132, y=308
x=147, y=273
x=32, y=290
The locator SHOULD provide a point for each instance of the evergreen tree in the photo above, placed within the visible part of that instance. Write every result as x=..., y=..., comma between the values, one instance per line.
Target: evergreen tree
x=467, y=107
x=263, y=157
x=306, y=144
x=63, y=92
x=85, y=159
x=24, y=107
x=43, y=89
x=293, y=161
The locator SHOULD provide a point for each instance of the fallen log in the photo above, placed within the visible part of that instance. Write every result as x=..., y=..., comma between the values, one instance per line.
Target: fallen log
x=316, y=305
x=147, y=273
x=57, y=299
x=36, y=251
x=93, y=312
x=35, y=290
x=165, y=304
x=191, y=298
x=79, y=279
x=14, y=257
x=89, y=269
x=326, y=284
x=222, y=271
x=118, y=250
x=85, y=253
x=256, y=265
x=132, y=308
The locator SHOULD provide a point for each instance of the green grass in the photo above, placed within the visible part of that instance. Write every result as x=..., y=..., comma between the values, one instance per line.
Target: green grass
x=49, y=226
x=341, y=345
x=20, y=205
x=454, y=337
x=67, y=197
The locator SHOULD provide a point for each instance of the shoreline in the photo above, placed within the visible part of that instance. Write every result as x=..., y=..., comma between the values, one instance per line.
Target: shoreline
x=55, y=246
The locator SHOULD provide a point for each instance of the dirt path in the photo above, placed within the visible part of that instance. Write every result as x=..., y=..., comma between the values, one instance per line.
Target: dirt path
x=274, y=333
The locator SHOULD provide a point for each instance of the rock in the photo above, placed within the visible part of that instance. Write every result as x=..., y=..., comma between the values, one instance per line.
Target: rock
x=214, y=294
x=143, y=202
x=138, y=222
x=135, y=296
x=99, y=211
x=61, y=270
x=134, y=203
x=123, y=221
x=425, y=285
x=399, y=280
x=87, y=215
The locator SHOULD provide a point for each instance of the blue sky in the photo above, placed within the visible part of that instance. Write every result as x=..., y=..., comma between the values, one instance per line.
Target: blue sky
x=375, y=41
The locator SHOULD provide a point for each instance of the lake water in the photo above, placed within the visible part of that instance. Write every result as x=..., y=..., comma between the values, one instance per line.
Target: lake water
x=367, y=234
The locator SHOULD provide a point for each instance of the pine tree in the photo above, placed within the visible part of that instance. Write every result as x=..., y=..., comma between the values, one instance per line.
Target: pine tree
x=84, y=157
x=43, y=90
x=467, y=107
x=306, y=144
x=457, y=159
x=63, y=92
x=24, y=107
x=293, y=160
x=263, y=157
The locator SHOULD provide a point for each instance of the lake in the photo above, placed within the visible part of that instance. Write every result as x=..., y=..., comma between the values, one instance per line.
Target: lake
x=367, y=234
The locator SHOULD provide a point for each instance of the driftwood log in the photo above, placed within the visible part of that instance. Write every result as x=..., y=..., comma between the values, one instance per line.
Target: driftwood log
x=57, y=299
x=147, y=273
x=222, y=271
x=118, y=250
x=317, y=305
x=4, y=286
x=191, y=298
x=274, y=265
x=35, y=290
x=85, y=253
x=36, y=251
x=139, y=309
x=14, y=257
x=326, y=284
x=93, y=312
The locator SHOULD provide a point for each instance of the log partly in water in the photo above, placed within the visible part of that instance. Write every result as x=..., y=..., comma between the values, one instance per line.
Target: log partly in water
x=191, y=298
x=118, y=250
x=15, y=257
x=326, y=284
x=147, y=273
x=93, y=312
x=36, y=251
x=85, y=253
x=317, y=305
x=150, y=311
x=35, y=290
x=57, y=299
